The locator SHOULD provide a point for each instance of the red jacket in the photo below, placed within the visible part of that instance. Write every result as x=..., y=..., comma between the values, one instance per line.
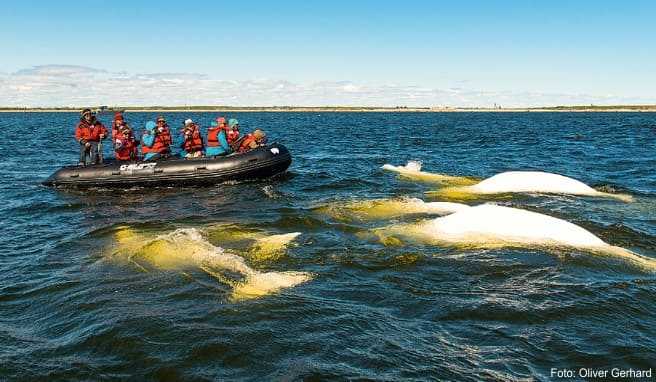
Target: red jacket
x=165, y=136
x=232, y=136
x=90, y=131
x=115, y=128
x=161, y=145
x=192, y=140
x=125, y=146
x=213, y=136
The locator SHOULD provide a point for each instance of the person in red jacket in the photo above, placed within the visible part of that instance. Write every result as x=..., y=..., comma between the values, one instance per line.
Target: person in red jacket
x=125, y=145
x=156, y=140
x=217, y=142
x=88, y=133
x=252, y=141
x=192, y=145
x=117, y=123
x=232, y=132
x=164, y=132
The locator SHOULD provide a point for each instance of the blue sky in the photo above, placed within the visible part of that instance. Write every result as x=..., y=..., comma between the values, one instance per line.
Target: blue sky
x=516, y=53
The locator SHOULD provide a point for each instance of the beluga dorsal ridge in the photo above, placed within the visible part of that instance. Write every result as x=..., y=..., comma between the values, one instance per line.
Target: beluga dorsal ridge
x=528, y=182
x=490, y=226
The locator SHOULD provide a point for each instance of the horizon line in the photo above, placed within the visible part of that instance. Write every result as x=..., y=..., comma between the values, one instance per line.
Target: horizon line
x=399, y=107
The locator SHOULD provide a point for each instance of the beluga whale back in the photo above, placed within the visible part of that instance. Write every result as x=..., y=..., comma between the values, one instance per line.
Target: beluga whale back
x=490, y=226
x=527, y=182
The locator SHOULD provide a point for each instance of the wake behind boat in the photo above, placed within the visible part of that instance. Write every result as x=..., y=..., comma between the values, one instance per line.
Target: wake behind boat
x=259, y=163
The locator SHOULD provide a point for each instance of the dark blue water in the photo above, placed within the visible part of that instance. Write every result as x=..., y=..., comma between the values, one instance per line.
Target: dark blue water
x=75, y=305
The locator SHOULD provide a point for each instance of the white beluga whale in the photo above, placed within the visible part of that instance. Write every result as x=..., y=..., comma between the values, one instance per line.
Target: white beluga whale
x=188, y=248
x=527, y=182
x=490, y=226
x=372, y=209
x=412, y=170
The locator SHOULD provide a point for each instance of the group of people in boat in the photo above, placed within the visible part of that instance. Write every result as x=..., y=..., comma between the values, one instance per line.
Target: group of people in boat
x=222, y=138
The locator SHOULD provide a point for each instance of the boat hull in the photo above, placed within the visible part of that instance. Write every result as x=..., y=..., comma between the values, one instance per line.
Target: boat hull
x=260, y=163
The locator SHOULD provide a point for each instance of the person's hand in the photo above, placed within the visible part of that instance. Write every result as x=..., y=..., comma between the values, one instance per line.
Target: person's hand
x=87, y=144
x=102, y=136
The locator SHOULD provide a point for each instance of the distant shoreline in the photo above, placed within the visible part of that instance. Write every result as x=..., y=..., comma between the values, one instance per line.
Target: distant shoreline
x=342, y=109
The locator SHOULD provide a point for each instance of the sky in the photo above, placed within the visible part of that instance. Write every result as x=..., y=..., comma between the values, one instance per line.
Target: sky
x=312, y=53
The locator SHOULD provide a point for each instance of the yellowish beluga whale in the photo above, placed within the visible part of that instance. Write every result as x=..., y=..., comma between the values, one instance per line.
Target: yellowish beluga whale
x=412, y=171
x=262, y=246
x=188, y=247
x=527, y=182
x=490, y=226
x=373, y=209
x=539, y=182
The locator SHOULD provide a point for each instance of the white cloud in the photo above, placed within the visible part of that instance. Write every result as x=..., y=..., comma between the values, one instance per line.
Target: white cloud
x=68, y=85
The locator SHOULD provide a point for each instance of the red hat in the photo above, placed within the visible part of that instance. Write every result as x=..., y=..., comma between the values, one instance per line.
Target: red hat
x=118, y=116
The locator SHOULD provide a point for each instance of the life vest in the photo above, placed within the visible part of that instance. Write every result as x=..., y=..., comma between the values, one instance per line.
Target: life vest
x=246, y=143
x=160, y=145
x=89, y=131
x=213, y=136
x=116, y=128
x=232, y=135
x=192, y=139
x=165, y=135
x=125, y=147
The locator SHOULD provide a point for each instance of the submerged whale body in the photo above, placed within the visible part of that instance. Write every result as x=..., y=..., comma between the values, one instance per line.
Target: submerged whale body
x=528, y=182
x=388, y=208
x=412, y=170
x=184, y=248
x=490, y=225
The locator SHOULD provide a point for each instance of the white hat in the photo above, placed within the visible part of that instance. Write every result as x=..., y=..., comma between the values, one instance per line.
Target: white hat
x=188, y=122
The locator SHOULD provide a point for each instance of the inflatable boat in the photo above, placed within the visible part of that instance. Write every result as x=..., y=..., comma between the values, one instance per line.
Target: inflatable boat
x=262, y=162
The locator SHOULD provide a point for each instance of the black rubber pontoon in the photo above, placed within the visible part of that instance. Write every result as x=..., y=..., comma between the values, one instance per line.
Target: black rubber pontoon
x=262, y=162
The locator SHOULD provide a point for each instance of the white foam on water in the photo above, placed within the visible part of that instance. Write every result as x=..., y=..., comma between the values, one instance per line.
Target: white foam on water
x=413, y=165
x=269, y=191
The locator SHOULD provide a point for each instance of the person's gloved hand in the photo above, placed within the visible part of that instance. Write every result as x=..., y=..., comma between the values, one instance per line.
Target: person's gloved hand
x=87, y=144
x=83, y=142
